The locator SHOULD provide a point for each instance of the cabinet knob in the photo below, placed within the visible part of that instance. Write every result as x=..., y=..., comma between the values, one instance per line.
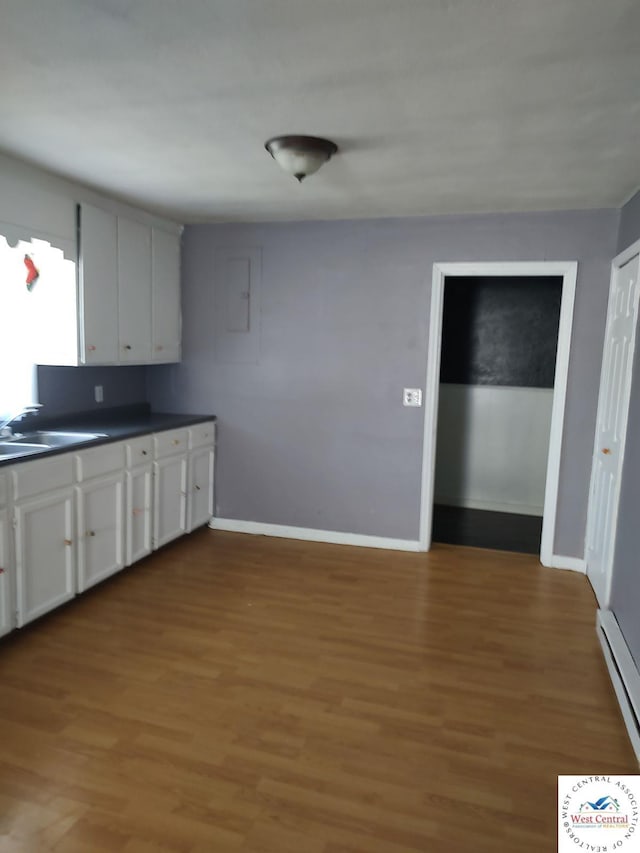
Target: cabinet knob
x=91, y=348
x=68, y=541
x=197, y=488
x=1, y=571
x=91, y=533
x=126, y=346
x=136, y=511
x=159, y=348
x=144, y=452
x=606, y=451
x=176, y=441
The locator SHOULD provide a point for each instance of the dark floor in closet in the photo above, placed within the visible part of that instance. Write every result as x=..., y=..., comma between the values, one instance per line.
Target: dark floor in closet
x=504, y=531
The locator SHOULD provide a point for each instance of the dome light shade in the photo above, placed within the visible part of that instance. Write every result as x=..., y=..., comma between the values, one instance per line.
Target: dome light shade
x=300, y=155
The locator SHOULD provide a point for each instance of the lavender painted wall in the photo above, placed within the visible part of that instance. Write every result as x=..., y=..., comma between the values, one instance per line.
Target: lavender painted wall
x=629, y=230
x=70, y=389
x=314, y=434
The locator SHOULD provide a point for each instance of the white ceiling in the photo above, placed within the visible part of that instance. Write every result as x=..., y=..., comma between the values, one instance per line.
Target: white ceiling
x=438, y=106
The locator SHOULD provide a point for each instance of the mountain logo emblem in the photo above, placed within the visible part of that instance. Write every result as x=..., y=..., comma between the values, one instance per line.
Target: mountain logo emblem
x=604, y=804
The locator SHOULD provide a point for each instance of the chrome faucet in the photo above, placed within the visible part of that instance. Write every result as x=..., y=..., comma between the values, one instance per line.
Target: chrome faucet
x=5, y=425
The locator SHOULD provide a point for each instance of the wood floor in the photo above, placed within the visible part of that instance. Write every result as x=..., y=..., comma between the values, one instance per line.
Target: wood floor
x=239, y=693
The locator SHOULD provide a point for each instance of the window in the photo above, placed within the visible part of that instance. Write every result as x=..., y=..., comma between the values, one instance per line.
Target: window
x=32, y=276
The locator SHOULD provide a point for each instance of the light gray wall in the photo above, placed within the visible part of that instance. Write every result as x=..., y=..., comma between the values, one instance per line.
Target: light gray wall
x=314, y=433
x=629, y=230
x=62, y=390
x=493, y=447
x=625, y=587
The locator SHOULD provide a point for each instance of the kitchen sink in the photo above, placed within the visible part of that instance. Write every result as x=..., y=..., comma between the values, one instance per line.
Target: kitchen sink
x=44, y=439
x=11, y=449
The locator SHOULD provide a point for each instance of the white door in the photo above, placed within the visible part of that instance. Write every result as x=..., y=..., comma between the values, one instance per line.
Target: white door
x=98, y=286
x=134, y=290
x=165, y=253
x=200, y=487
x=100, y=530
x=44, y=554
x=139, y=496
x=169, y=499
x=613, y=405
x=6, y=616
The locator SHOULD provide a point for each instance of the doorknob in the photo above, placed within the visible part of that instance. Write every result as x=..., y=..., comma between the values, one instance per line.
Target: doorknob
x=606, y=451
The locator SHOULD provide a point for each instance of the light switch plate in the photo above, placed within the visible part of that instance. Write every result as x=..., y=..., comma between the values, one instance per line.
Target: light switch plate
x=412, y=397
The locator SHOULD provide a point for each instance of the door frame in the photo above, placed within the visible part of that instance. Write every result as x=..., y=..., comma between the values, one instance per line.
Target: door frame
x=604, y=595
x=568, y=270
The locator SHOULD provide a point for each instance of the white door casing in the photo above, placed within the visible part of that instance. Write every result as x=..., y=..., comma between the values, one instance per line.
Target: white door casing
x=568, y=270
x=611, y=423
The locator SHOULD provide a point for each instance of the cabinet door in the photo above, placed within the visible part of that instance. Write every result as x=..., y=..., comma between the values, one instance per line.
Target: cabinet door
x=6, y=608
x=169, y=499
x=44, y=554
x=138, y=512
x=134, y=290
x=166, y=296
x=100, y=529
x=200, y=506
x=98, y=286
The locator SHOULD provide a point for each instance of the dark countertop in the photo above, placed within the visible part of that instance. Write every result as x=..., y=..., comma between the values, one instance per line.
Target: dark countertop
x=116, y=424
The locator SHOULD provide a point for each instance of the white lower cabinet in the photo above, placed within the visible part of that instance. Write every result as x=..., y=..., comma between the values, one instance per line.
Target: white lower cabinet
x=81, y=516
x=100, y=529
x=139, y=501
x=44, y=553
x=200, y=487
x=6, y=608
x=170, y=499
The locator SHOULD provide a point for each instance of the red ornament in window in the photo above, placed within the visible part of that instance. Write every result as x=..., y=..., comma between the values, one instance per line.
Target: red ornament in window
x=32, y=272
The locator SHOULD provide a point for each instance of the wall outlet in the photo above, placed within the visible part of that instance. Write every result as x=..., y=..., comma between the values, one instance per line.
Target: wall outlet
x=412, y=397
x=98, y=393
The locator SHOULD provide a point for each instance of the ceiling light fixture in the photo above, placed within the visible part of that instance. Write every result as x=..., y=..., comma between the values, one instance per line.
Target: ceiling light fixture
x=300, y=155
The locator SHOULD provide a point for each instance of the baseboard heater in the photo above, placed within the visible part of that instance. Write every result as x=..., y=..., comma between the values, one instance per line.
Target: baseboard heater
x=624, y=673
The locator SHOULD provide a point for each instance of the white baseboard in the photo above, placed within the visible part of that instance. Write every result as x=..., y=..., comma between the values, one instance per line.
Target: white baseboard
x=623, y=672
x=309, y=534
x=574, y=564
x=492, y=506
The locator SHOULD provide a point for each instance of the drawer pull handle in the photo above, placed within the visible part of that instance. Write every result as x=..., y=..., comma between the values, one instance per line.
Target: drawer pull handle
x=68, y=542
x=175, y=441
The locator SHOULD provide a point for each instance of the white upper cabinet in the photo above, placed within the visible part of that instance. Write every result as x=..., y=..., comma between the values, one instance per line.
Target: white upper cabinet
x=98, y=286
x=166, y=318
x=134, y=291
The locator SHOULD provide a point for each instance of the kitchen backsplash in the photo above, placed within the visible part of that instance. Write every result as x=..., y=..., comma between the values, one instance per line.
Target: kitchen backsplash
x=72, y=389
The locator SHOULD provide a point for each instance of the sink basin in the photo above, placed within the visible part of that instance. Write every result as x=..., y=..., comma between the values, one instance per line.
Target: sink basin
x=44, y=439
x=11, y=449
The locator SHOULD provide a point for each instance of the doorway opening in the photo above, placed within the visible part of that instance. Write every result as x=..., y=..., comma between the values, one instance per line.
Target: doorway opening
x=496, y=386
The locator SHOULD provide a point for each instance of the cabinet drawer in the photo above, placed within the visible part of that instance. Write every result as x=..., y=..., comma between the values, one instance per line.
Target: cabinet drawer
x=202, y=435
x=43, y=475
x=139, y=451
x=4, y=495
x=107, y=459
x=170, y=442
